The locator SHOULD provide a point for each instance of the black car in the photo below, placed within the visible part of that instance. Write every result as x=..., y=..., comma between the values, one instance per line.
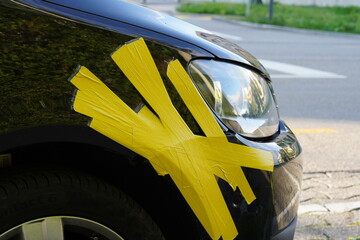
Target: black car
x=119, y=122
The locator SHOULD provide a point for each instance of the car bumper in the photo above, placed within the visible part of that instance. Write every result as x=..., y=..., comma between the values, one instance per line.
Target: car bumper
x=273, y=214
x=286, y=233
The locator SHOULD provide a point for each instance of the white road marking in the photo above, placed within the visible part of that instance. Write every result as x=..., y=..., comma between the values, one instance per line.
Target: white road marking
x=288, y=70
x=294, y=71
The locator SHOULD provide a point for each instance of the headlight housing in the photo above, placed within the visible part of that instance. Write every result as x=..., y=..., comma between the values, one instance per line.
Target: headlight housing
x=241, y=98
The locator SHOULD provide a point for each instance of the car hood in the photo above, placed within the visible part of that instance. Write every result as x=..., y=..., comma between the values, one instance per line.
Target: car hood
x=137, y=16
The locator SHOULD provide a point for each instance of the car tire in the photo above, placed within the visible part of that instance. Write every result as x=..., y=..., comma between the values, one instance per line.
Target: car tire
x=63, y=205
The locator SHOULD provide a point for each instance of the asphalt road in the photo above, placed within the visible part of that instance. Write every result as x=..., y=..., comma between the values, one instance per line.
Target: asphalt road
x=316, y=77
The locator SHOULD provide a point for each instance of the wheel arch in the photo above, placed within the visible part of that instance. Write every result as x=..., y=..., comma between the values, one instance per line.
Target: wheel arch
x=83, y=149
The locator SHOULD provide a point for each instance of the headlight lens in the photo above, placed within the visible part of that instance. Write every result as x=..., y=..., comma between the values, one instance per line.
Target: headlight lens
x=242, y=99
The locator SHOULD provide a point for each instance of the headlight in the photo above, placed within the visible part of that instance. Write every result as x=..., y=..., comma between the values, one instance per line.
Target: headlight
x=241, y=98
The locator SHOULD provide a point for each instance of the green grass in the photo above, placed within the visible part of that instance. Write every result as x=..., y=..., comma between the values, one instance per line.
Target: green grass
x=356, y=238
x=335, y=19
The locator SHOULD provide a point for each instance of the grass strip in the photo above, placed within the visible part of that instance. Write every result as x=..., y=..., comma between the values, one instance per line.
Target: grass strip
x=334, y=19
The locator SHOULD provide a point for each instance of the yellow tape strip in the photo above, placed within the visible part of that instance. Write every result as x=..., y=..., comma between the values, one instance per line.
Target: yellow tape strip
x=166, y=141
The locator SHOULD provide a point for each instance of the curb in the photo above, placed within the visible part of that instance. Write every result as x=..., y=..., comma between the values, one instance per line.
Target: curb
x=289, y=29
x=172, y=11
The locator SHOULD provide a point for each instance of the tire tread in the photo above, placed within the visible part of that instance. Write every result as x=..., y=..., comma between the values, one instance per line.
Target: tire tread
x=20, y=185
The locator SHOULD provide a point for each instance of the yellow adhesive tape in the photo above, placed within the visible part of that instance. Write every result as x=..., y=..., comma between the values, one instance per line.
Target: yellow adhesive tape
x=166, y=141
